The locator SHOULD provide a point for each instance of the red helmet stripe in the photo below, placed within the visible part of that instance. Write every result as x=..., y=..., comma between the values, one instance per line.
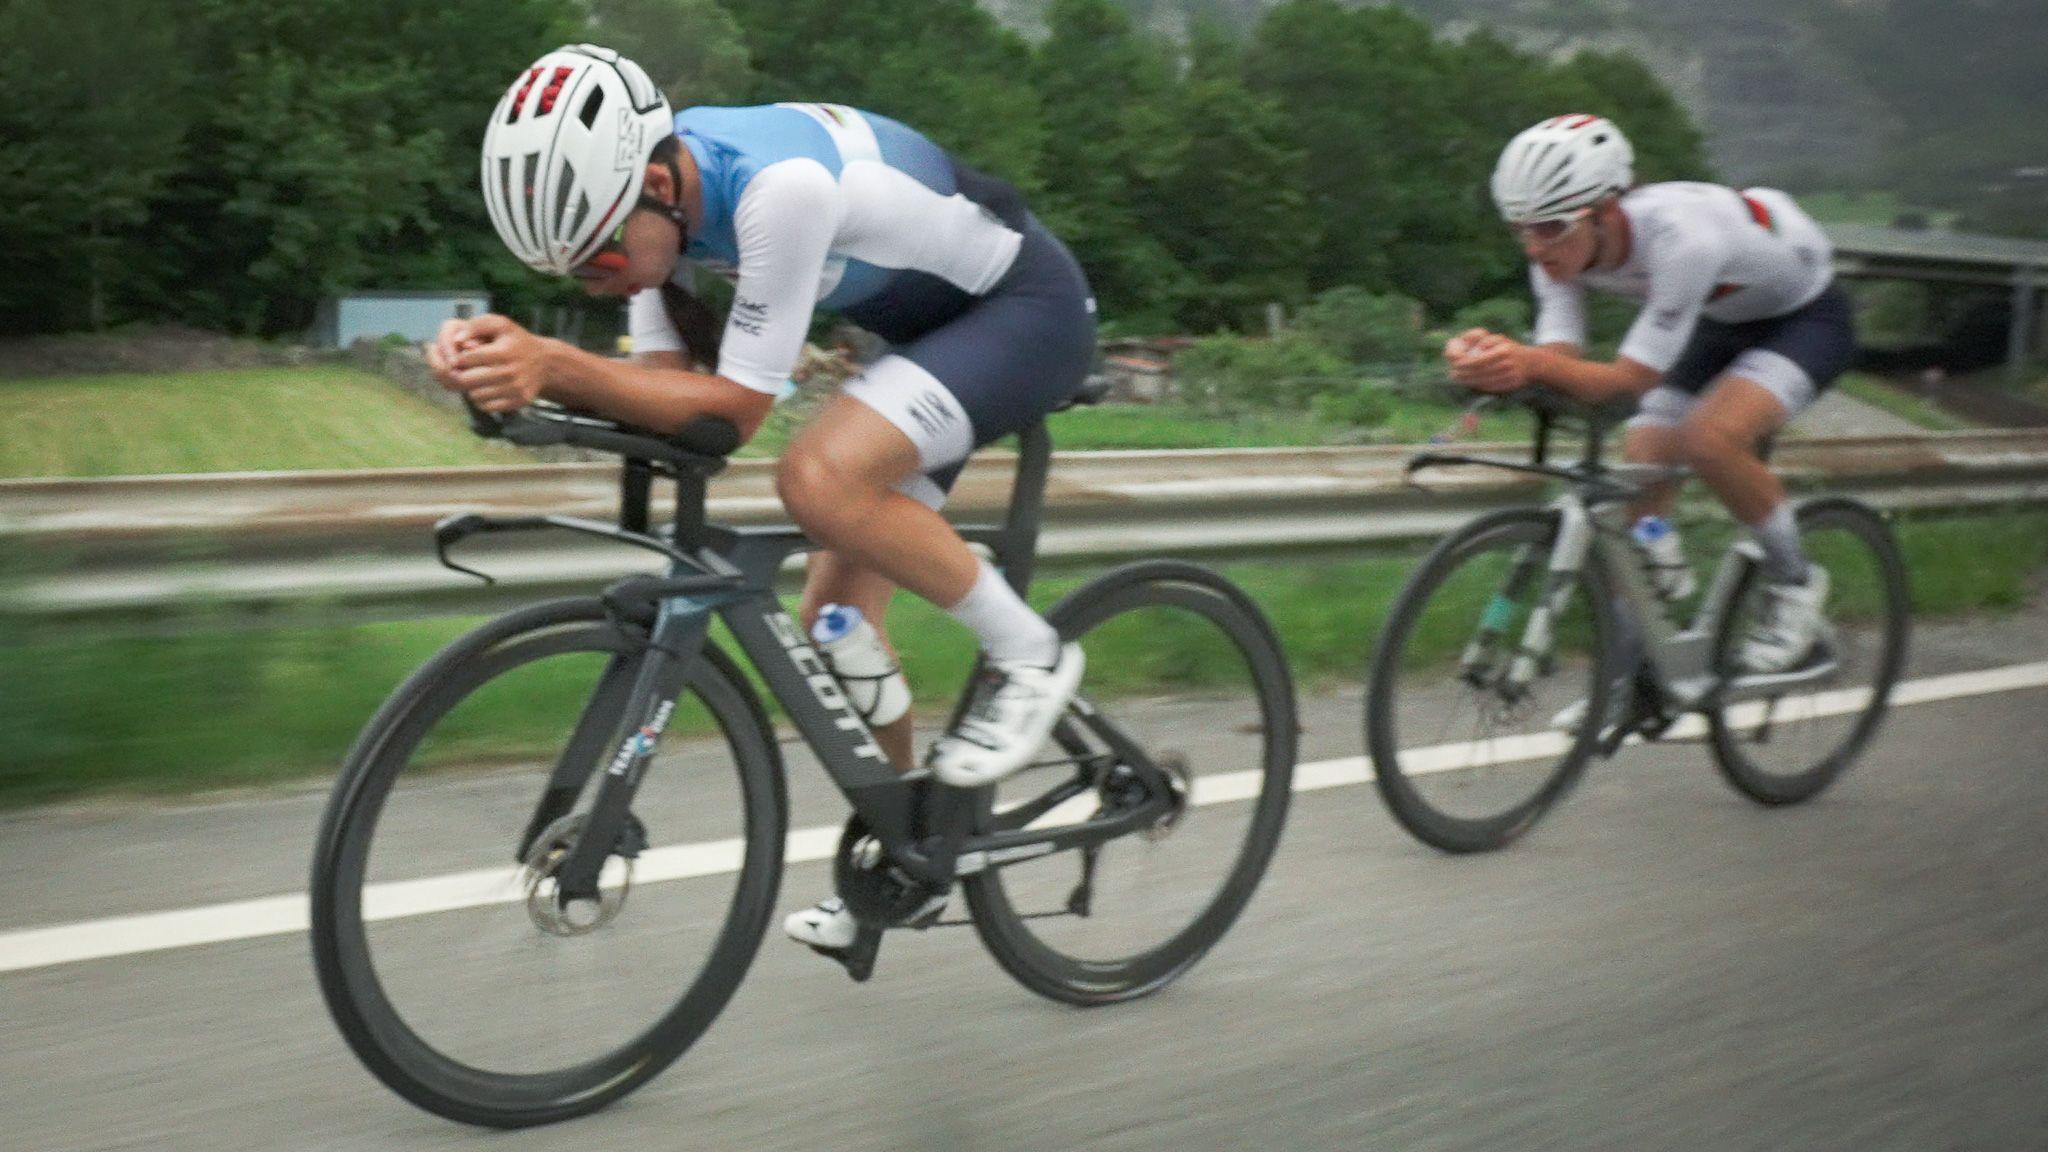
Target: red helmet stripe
x=519, y=101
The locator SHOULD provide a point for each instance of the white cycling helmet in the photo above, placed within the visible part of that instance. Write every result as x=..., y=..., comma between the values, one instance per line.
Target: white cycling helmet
x=1560, y=166
x=565, y=153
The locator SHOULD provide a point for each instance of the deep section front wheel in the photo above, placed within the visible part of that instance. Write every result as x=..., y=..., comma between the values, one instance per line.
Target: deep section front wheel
x=1471, y=731
x=1185, y=673
x=455, y=969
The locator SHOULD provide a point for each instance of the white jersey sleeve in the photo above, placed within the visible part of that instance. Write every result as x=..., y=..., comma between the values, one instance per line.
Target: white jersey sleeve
x=1560, y=310
x=1682, y=272
x=648, y=325
x=783, y=224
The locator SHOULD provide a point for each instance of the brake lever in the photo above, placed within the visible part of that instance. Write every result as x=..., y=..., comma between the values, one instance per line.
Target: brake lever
x=456, y=529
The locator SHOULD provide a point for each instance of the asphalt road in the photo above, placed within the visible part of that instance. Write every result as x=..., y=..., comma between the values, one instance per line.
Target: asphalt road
x=1660, y=965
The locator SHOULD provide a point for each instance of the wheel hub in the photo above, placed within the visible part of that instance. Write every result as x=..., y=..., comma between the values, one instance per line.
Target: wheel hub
x=545, y=904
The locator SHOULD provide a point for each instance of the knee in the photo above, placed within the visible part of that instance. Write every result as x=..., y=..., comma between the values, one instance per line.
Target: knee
x=811, y=488
x=1709, y=442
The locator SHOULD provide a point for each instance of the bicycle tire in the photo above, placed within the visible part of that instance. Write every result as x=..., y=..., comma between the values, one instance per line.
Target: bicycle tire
x=1411, y=808
x=1735, y=762
x=1041, y=965
x=356, y=997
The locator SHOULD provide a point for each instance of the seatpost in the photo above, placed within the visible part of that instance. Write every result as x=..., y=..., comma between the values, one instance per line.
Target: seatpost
x=1542, y=436
x=636, y=483
x=690, y=497
x=1596, y=437
x=1019, y=548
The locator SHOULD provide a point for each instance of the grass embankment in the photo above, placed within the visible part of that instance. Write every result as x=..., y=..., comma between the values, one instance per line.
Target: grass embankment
x=1901, y=403
x=241, y=420
x=294, y=419
x=95, y=712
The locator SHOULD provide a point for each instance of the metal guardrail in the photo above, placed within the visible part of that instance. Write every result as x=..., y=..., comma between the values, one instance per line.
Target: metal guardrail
x=358, y=541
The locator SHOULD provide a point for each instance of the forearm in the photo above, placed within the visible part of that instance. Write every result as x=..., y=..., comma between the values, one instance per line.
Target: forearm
x=1559, y=368
x=651, y=397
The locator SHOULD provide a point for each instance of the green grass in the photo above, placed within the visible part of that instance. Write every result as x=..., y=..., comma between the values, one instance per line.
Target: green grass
x=93, y=712
x=258, y=419
x=1902, y=404
x=1412, y=421
x=1864, y=208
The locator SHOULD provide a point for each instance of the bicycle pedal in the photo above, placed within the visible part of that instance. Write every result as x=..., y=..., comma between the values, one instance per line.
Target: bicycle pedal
x=858, y=958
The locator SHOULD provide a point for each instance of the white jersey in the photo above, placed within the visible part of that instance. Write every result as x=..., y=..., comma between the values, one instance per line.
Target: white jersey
x=1695, y=250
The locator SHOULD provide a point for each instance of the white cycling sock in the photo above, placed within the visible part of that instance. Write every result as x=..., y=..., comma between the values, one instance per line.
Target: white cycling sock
x=1008, y=628
x=1778, y=534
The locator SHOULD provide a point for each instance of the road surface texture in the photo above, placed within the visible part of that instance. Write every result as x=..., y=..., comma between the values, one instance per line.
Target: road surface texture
x=1661, y=965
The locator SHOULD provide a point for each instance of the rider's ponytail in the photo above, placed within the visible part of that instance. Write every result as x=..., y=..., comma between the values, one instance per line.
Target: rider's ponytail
x=694, y=320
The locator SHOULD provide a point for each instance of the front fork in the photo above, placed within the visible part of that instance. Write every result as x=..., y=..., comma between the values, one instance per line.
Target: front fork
x=1558, y=572
x=641, y=690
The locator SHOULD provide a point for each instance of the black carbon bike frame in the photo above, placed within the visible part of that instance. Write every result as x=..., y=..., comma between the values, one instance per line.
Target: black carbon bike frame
x=927, y=830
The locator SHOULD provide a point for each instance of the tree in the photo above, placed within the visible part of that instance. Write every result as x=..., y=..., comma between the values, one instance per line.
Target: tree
x=692, y=48
x=1363, y=95
x=93, y=124
x=1233, y=206
x=336, y=147
x=944, y=67
x=1110, y=134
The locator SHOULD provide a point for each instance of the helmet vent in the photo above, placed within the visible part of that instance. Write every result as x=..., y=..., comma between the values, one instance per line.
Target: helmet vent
x=525, y=203
x=565, y=182
x=590, y=107
x=519, y=101
x=553, y=91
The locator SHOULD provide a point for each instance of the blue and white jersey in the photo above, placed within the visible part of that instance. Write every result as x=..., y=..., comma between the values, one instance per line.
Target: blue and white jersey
x=821, y=205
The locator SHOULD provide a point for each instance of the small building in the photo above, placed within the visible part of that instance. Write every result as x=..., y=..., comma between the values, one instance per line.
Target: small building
x=340, y=321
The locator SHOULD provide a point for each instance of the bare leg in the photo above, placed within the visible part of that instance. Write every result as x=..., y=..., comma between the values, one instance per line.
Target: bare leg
x=838, y=477
x=1721, y=438
x=1653, y=444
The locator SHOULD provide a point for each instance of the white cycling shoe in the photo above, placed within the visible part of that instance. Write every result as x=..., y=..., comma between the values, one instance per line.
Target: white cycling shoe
x=829, y=924
x=1013, y=712
x=1791, y=627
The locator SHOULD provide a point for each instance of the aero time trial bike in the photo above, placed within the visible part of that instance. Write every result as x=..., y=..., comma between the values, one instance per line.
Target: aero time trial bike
x=471, y=923
x=1527, y=618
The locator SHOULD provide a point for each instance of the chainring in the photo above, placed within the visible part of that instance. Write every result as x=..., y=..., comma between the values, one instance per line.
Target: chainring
x=875, y=890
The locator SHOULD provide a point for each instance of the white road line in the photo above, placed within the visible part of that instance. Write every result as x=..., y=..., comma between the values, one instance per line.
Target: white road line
x=280, y=915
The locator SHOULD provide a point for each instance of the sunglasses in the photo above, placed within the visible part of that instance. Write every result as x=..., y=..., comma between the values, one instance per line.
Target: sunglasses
x=610, y=256
x=1547, y=232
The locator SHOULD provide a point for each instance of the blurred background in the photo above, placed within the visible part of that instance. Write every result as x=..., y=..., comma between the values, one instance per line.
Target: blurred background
x=228, y=223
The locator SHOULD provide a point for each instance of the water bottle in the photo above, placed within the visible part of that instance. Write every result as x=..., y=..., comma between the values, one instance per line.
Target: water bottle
x=863, y=667
x=1670, y=575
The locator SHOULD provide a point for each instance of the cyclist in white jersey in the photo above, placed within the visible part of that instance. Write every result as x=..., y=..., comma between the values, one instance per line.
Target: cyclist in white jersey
x=1741, y=328
x=990, y=323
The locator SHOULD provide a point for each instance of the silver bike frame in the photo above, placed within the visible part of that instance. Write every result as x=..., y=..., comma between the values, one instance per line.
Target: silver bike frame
x=1679, y=657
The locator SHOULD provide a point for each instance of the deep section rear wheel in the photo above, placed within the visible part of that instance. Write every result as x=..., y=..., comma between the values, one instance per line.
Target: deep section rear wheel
x=1465, y=752
x=449, y=964
x=1183, y=666
x=1787, y=748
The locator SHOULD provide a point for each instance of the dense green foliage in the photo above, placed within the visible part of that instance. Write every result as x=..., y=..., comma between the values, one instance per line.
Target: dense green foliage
x=228, y=163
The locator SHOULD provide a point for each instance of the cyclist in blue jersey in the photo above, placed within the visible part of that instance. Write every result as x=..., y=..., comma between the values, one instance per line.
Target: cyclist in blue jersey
x=803, y=206
x=1742, y=327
